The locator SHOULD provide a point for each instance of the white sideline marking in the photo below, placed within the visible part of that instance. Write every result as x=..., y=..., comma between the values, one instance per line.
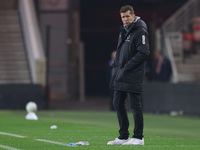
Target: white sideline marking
x=15, y=135
x=8, y=147
x=53, y=142
x=20, y=136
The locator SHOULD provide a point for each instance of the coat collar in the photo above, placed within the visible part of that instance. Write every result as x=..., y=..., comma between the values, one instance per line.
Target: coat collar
x=130, y=27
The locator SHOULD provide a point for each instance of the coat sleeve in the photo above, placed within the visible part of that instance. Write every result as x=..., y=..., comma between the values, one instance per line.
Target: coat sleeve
x=142, y=51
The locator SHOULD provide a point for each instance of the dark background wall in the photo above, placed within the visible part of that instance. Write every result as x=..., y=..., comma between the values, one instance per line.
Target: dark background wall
x=174, y=99
x=100, y=26
x=16, y=96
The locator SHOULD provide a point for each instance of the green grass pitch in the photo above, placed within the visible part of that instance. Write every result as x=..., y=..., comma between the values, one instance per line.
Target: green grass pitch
x=161, y=132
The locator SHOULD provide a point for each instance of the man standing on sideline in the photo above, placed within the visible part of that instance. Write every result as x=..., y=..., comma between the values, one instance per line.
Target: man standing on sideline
x=128, y=75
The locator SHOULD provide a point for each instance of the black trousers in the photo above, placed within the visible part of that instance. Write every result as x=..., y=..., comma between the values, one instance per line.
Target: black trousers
x=134, y=99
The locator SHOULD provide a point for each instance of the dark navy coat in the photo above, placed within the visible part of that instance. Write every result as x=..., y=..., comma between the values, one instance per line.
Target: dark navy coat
x=132, y=51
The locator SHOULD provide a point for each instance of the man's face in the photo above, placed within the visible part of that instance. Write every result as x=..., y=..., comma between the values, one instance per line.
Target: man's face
x=127, y=18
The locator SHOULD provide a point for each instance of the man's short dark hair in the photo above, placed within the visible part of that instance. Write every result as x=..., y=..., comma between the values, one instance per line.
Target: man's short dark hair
x=126, y=8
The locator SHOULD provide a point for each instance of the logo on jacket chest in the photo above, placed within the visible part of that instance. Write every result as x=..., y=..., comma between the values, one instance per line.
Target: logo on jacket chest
x=143, y=39
x=128, y=38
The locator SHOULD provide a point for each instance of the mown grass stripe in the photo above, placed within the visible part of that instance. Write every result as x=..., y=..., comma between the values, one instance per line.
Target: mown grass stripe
x=8, y=147
x=52, y=142
x=14, y=135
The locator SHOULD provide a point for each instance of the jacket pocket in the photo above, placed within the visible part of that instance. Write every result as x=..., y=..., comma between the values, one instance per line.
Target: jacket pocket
x=120, y=74
x=113, y=72
x=131, y=77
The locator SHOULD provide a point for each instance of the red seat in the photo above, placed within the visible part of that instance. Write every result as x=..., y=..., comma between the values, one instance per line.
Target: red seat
x=196, y=32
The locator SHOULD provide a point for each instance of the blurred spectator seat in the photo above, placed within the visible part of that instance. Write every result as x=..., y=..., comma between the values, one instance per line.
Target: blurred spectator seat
x=187, y=43
x=196, y=32
x=196, y=20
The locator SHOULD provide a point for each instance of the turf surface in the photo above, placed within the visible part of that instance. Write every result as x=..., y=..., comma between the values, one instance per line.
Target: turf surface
x=161, y=132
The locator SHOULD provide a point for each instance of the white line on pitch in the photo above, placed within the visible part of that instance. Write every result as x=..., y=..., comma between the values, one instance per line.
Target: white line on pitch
x=53, y=142
x=8, y=147
x=14, y=135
